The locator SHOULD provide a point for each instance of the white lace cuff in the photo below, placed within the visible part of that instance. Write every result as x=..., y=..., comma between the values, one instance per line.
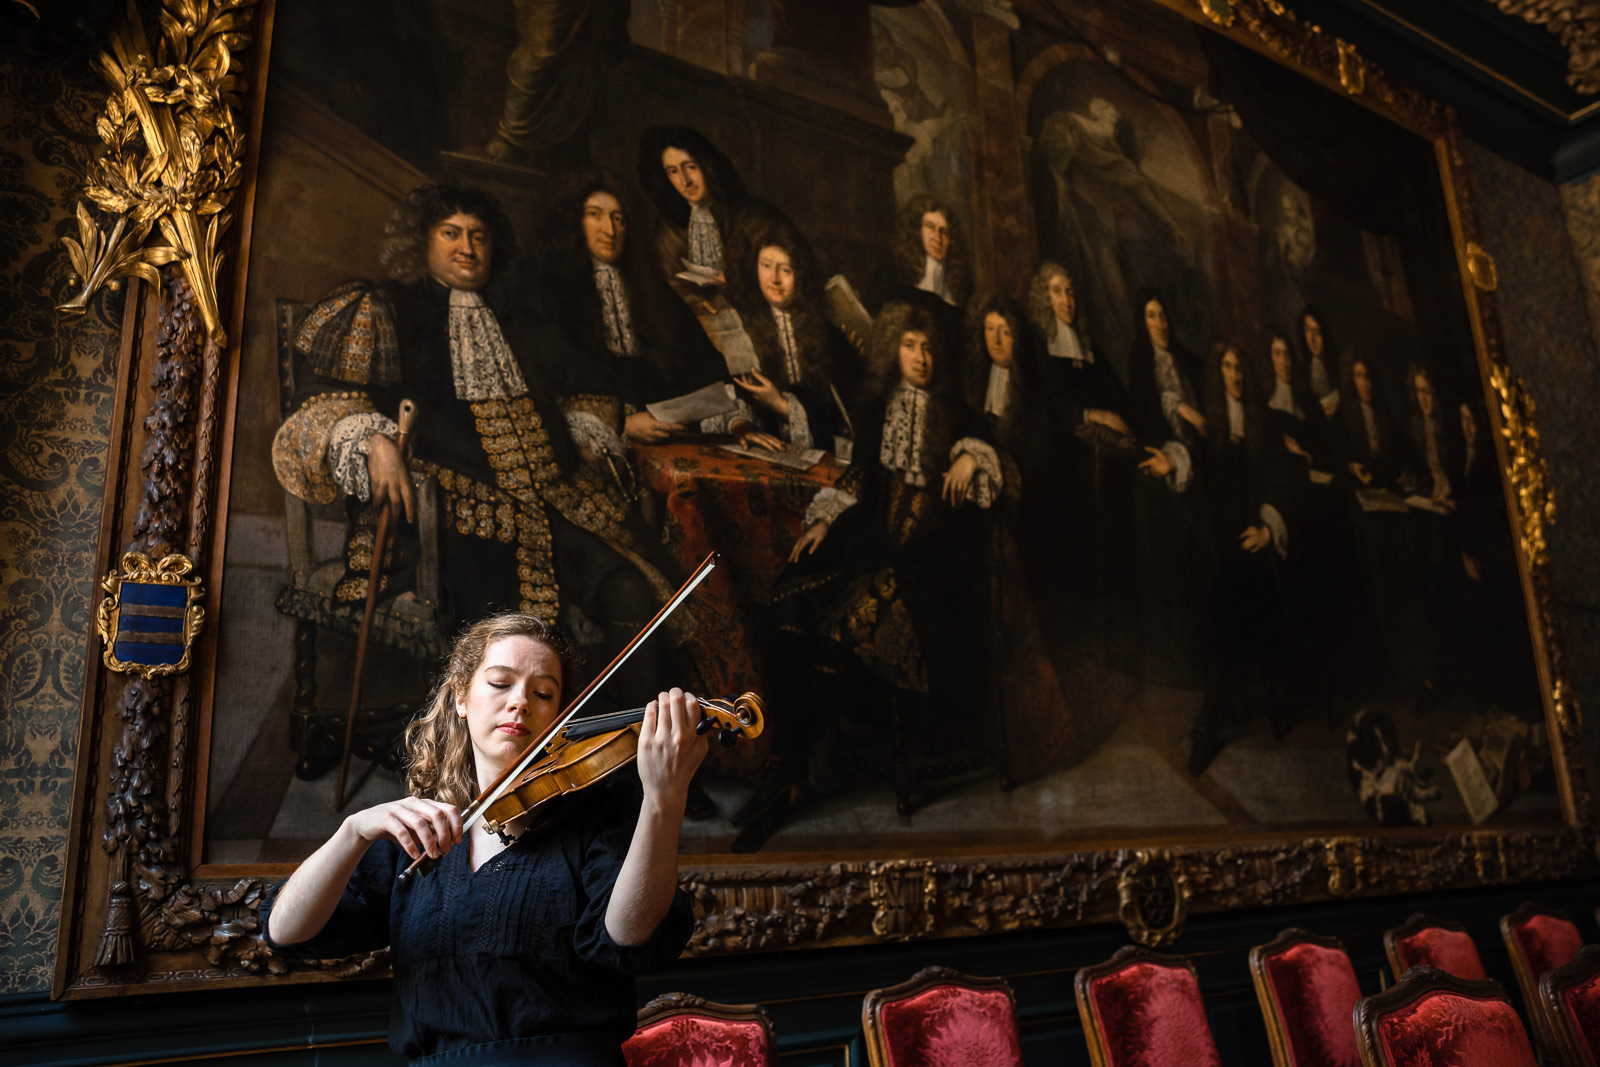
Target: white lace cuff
x=347, y=450
x=1273, y=520
x=1182, y=467
x=797, y=431
x=590, y=433
x=827, y=506
x=988, y=481
x=724, y=423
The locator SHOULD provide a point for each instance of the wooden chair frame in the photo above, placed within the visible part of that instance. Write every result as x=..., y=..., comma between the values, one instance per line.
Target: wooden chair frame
x=923, y=980
x=1277, y=1035
x=1569, y=1047
x=1415, y=922
x=1419, y=982
x=671, y=1005
x=1086, y=977
x=1527, y=981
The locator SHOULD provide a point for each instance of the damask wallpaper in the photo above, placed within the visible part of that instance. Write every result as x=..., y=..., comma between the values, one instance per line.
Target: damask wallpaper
x=56, y=381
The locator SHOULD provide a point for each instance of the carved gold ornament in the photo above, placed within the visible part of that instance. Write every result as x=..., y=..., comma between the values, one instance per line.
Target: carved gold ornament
x=1536, y=504
x=1153, y=898
x=1576, y=25
x=173, y=151
x=151, y=615
x=903, y=896
x=1352, y=69
x=1480, y=266
x=1218, y=11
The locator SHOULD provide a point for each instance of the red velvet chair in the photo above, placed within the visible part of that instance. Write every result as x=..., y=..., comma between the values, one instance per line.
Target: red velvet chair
x=1424, y=941
x=1538, y=940
x=1433, y=1018
x=681, y=1030
x=942, y=1018
x=1571, y=998
x=1143, y=1010
x=1307, y=988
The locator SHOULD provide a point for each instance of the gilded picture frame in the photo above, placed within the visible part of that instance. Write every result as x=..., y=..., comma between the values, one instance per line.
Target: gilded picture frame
x=143, y=912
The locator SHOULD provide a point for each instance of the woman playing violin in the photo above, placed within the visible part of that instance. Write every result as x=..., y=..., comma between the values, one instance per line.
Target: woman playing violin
x=508, y=952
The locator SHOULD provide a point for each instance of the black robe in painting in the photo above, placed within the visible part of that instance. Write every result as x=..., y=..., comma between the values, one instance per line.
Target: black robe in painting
x=674, y=354
x=896, y=591
x=1077, y=535
x=828, y=369
x=1251, y=646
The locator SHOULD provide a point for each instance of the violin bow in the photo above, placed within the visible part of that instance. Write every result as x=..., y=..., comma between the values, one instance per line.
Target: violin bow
x=474, y=811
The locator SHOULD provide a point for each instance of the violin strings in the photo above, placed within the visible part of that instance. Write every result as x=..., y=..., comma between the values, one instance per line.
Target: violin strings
x=474, y=811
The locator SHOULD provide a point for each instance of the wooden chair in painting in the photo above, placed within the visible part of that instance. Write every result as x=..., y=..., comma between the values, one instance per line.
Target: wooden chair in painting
x=1538, y=939
x=1141, y=1008
x=1430, y=1017
x=1425, y=941
x=1570, y=996
x=1307, y=988
x=683, y=1030
x=405, y=623
x=942, y=1018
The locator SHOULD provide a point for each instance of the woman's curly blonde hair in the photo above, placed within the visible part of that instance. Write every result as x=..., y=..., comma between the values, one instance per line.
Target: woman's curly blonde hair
x=441, y=765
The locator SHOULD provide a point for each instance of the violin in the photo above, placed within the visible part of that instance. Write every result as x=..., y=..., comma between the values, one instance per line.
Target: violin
x=583, y=765
x=587, y=751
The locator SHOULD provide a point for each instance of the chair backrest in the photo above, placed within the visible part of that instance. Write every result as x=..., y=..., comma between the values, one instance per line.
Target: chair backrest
x=1422, y=941
x=1570, y=995
x=290, y=313
x=941, y=1018
x=1307, y=988
x=1436, y=1018
x=1538, y=940
x=680, y=1030
x=1143, y=1010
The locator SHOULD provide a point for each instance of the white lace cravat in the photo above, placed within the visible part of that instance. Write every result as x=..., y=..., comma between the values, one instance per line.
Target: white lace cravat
x=1235, y=419
x=903, y=426
x=705, y=242
x=933, y=279
x=617, y=319
x=1283, y=400
x=1064, y=344
x=480, y=360
x=791, y=349
x=998, y=398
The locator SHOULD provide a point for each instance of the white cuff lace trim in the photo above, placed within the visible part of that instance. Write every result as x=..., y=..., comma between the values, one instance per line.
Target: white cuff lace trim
x=1182, y=467
x=988, y=481
x=347, y=451
x=589, y=432
x=827, y=506
x=797, y=431
x=1273, y=520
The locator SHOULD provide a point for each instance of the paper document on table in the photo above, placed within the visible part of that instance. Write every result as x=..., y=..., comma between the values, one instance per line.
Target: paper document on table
x=844, y=309
x=793, y=457
x=690, y=408
x=1476, y=792
x=726, y=331
x=1426, y=503
x=695, y=273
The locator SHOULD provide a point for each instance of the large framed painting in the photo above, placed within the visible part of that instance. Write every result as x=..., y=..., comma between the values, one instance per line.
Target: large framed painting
x=1123, y=505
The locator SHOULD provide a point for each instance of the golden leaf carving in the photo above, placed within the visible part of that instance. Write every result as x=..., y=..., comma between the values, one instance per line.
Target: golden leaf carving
x=172, y=150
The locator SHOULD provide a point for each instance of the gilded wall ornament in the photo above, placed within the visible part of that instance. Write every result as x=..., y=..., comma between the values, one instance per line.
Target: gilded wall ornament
x=903, y=896
x=1480, y=265
x=173, y=151
x=1576, y=25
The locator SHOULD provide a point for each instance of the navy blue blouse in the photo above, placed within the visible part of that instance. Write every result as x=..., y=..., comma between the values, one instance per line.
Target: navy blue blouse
x=511, y=954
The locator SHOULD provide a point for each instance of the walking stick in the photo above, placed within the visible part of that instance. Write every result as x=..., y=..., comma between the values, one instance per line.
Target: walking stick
x=380, y=544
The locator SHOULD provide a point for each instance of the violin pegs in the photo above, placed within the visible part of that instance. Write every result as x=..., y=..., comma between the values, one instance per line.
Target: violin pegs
x=703, y=726
x=726, y=738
